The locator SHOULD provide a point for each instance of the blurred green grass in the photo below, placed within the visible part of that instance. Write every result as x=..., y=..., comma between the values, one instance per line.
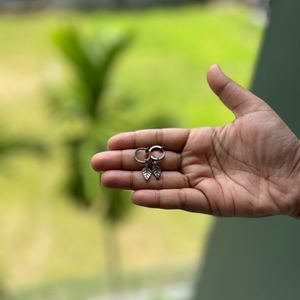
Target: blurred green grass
x=43, y=237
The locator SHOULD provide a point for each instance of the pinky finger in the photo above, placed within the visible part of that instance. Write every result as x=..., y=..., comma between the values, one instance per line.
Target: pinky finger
x=186, y=199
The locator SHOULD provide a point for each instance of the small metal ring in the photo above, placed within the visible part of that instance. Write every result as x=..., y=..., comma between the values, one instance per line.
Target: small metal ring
x=157, y=148
x=142, y=161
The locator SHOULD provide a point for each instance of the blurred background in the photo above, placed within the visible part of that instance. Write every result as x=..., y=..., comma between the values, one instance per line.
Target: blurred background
x=73, y=73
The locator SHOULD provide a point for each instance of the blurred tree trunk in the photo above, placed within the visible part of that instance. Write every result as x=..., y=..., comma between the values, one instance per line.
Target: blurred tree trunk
x=259, y=258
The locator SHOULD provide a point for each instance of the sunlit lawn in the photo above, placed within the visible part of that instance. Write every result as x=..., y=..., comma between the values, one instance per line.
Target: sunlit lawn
x=46, y=240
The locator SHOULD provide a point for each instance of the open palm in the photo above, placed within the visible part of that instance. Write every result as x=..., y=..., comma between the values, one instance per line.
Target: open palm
x=247, y=168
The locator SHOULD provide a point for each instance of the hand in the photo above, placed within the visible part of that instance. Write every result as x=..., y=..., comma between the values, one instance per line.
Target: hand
x=247, y=168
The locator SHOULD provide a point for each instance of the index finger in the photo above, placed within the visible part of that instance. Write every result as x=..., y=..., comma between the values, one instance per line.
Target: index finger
x=170, y=138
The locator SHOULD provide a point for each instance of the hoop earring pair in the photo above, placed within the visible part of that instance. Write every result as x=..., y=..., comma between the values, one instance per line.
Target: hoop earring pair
x=150, y=160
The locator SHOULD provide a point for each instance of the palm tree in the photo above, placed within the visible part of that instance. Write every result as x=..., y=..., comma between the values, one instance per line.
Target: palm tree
x=91, y=62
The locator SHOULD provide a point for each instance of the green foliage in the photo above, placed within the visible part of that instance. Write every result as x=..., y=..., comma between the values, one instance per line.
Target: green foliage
x=118, y=205
x=10, y=145
x=91, y=61
x=15, y=143
x=76, y=180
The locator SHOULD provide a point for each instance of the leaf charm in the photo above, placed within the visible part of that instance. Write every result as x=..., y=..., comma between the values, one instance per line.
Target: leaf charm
x=147, y=173
x=156, y=171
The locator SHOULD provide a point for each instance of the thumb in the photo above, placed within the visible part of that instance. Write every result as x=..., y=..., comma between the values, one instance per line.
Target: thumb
x=238, y=99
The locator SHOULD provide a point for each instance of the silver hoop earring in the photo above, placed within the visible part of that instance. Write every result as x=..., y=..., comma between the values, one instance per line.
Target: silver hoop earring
x=146, y=171
x=156, y=170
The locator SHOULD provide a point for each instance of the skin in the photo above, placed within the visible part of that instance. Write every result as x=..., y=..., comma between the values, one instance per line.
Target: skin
x=248, y=168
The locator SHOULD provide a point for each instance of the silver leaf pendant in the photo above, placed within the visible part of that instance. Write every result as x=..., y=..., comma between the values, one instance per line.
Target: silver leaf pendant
x=147, y=173
x=156, y=171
